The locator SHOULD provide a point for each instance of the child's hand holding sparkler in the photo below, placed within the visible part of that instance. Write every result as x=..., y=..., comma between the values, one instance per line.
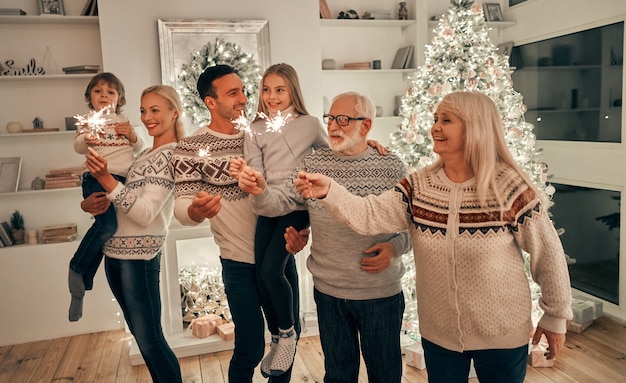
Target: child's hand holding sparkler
x=236, y=167
x=124, y=128
x=251, y=181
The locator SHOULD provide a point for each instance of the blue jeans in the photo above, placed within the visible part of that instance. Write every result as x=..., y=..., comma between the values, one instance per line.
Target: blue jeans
x=277, y=288
x=88, y=256
x=492, y=366
x=376, y=323
x=135, y=285
x=245, y=306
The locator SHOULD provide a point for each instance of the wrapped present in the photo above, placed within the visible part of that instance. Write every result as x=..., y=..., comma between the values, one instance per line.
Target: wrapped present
x=583, y=311
x=536, y=357
x=576, y=327
x=226, y=331
x=414, y=356
x=595, y=303
x=205, y=326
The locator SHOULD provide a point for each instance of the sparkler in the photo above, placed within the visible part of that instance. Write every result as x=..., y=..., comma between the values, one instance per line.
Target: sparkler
x=94, y=122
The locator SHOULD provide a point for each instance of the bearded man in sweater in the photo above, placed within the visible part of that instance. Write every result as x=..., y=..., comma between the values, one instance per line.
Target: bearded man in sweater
x=357, y=278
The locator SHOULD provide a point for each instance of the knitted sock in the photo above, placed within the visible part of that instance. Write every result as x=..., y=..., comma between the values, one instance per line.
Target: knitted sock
x=267, y=361
x=77, y=290
x=285, y=351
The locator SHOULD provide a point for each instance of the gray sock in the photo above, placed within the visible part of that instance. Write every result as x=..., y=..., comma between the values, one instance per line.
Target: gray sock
x=77, y=290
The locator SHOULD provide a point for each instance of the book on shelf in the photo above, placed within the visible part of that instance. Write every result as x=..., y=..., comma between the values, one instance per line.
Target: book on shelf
x=403, y=58
x=62, y=184
x=81, y=69
x=74, y=170
x=58, y=230
x=357, y=65
x=6, y=235
x=11, y=12
x=90, y=8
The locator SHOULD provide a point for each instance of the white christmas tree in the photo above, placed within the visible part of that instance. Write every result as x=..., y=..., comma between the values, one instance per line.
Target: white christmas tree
x=462, y=58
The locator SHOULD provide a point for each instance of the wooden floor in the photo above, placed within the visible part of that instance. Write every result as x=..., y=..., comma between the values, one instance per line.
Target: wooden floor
x=597, y=355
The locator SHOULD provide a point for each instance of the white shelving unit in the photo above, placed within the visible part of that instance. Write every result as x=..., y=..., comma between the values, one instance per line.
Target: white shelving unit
x=53, y=42
x=350, y=40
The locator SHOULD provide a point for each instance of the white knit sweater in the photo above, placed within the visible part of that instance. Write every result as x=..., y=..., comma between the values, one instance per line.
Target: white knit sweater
x=471, y=287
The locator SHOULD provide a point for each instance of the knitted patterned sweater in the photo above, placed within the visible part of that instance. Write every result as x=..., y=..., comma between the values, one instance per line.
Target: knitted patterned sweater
x=118, y=150
x=143, y=206
x=471, y=287
x=277, y=154
x=336, y=249
x=233, y=227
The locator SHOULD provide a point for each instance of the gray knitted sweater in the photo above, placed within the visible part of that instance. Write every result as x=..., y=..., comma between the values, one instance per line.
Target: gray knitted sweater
x=336, y=249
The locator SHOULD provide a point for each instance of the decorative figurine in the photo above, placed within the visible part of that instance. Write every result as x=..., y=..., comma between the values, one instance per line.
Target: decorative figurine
x=403, y=13
x=38, y=123
x=38, y=184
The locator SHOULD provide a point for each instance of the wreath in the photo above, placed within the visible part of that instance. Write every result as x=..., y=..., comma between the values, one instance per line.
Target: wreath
x=220, y=52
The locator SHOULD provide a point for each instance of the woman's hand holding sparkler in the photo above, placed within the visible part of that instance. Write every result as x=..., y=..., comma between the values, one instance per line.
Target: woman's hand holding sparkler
x=251, y=181
x=204, y=205
x=97, y=166
x=312, y=185
x=236, y=167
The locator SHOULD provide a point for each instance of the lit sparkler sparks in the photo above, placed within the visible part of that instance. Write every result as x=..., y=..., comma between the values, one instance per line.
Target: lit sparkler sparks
x=242, y=123
x=274, y=124
x=94, y=121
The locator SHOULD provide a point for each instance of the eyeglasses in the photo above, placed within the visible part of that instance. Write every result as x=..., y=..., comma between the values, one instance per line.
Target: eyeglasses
x=341, y=119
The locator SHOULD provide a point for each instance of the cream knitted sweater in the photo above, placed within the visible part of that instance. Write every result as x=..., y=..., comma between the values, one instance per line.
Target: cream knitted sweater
x=471, y=287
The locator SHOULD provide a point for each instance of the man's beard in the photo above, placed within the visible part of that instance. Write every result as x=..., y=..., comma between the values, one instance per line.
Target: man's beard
x=348, y=142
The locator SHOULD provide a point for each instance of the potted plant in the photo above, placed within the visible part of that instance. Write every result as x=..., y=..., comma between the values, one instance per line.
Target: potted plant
x=17, y=227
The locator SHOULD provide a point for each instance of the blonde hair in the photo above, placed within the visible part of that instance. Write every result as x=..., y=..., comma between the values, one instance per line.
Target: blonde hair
x=170, y=94
x=485, y=145
x=289, y=74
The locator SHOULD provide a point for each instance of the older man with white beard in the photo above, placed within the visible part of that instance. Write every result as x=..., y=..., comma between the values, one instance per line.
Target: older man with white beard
x=358, y=289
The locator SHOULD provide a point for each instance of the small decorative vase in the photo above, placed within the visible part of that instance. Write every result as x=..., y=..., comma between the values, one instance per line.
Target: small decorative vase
x=38, y=184
x=18, y=236
x=403, y=13
x=329, y=64
x=14, y=127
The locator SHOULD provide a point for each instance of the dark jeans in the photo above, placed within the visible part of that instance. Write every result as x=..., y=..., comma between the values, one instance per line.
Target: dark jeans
x=88, y=256
x=245, y=306
x=492, y=366
x=135, y=285
x=275, y=287
x=375, y=323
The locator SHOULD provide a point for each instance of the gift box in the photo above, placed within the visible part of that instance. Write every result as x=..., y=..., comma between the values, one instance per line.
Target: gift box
x=414, y=356
x=226, y=331
x=583, y=311
x=596, y=304
x=536, y=357
x=576, y=327
x=205, y=326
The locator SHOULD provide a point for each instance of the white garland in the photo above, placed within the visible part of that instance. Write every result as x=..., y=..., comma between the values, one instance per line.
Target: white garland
x=220, y=52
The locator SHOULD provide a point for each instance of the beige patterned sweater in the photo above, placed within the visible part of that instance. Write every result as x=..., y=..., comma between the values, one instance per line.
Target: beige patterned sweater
x=472, y=291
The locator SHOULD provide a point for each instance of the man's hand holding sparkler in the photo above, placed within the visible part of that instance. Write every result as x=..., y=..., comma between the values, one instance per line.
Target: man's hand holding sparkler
x=204, y=205
x=251, y=181
x=236, y=167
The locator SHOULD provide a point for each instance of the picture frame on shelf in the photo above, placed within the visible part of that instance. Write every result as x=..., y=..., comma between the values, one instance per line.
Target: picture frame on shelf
x=492, y=12
x=51, y=7
x=505, y=48
x=10, y=168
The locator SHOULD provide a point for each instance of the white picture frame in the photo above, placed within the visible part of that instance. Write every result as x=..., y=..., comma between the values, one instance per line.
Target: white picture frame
x=492, y=12
x=180, y=39
x=51, y=7
x=10, y=168
x=505, y=48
